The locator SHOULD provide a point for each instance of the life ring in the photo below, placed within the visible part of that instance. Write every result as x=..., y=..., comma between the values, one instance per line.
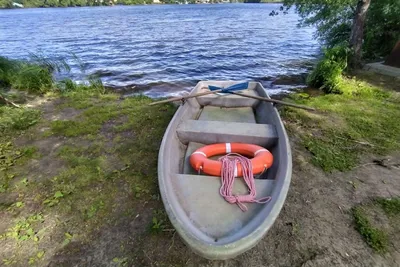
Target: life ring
x=261, y=158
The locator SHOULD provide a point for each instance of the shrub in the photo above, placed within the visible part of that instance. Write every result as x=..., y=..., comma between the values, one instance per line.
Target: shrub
x=327, y=73
x=7, y=67
x=33, y=78
x=17, y=118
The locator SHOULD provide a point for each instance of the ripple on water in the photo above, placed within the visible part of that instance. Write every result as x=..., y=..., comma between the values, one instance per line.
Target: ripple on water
x=164, y=50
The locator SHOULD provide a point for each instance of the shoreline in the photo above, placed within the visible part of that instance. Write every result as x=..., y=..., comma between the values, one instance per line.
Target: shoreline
x=141, y=4
x=78, y=168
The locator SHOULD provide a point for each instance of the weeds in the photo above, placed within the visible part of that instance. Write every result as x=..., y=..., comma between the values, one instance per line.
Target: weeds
x=37, y=257
x=17, y=119
x=375, y=238
x=67, y=238
x=327, y=75
x=158, y=222
x=390, y=206
x=54, y=200
x=363, y=119
x=23, y=230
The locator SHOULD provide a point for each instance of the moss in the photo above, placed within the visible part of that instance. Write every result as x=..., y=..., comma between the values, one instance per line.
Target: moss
x=375, y=238
x=361, y=120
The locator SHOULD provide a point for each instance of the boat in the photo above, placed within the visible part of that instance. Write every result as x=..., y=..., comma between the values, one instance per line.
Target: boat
x=209, y=225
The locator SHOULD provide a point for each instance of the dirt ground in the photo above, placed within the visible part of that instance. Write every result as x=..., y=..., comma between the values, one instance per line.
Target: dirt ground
x=315, y=227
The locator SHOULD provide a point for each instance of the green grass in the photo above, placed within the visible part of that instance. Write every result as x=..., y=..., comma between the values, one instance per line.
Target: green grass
x=390, y=206
x=33, y=77
x=378, y=236
x=375, y=238
x=15, y=119
x=364, y=119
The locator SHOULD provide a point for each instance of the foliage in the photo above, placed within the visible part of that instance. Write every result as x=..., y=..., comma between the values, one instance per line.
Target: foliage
x=33, y=78
x=333, y=20
x=383, y=28
x=363, y=119
x=328, y=72
x=23, y=230
x=12, y=119
x=390, y=206
x=7, y=68
x=35, y=75
x=375, y=237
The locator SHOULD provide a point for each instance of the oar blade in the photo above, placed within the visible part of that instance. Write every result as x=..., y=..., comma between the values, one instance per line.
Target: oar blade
x=235, y=87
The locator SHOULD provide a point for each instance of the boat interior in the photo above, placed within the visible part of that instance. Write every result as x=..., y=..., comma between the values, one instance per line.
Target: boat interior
x=221, y=118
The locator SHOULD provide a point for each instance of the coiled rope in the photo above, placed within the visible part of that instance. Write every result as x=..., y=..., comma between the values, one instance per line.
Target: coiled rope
x=228, y=174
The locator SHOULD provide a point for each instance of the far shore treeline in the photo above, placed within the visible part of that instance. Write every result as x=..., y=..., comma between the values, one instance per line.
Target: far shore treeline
x=80, y=3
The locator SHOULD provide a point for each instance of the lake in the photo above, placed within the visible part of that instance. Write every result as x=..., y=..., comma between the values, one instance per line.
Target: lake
x=163, y=50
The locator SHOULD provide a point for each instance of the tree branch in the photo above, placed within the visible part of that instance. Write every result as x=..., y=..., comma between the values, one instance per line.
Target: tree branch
x=9, y=102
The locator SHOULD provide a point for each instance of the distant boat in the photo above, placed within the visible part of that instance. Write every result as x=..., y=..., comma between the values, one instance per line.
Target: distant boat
x=207, y=223
x=17, y=5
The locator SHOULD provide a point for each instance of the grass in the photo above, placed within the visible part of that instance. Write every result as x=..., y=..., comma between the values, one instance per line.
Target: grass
x=29, y=76
x=390, y=206
x=12, y=119
x=105, y=164
x=375, y=235
x=109, y=152
x=346, y=126
x=375, y=238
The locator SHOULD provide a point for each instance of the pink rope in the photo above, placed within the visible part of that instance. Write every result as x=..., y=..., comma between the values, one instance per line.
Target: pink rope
x=229, y=163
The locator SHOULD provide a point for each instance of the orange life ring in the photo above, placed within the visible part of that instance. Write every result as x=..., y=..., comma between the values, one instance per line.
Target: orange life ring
x=262, y=158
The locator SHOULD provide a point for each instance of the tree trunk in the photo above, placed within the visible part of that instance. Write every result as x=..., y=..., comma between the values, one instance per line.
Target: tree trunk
x=357, y=32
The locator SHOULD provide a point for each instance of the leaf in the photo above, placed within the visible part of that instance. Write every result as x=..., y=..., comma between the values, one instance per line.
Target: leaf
x=31, y=260
x=30, y=232
x=40, y=254
x=58, y=194
x=19, y=204
x=66, y=242
x=68, y=235
x=23, y=238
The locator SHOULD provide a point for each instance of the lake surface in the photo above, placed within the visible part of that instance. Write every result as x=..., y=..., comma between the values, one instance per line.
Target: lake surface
x=163, y=50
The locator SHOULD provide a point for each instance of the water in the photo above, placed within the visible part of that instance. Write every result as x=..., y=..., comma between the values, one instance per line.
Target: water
x=163, y=50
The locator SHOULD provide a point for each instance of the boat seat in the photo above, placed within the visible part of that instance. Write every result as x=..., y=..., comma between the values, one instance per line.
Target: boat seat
x=243, y=114
x=211, y=132
x=208, y=211
x=229, y=101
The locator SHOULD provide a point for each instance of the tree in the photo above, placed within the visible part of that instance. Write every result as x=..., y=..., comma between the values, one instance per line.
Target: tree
x=369, y=28
x=337, y=21
x=382, y=30
x=357, y=31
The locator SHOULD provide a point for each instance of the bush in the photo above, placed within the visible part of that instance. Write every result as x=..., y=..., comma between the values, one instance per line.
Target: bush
x=33, y=78
x=328, y=72
x=7, y=67
x=17, y=118
x=382, y=29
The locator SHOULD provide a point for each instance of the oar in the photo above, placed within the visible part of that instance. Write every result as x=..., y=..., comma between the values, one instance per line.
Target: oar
x=274, y=101
x=235, y=87
x=215, y=89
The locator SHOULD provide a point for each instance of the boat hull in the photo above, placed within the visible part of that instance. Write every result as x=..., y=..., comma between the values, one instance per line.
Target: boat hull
x=211, y=227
